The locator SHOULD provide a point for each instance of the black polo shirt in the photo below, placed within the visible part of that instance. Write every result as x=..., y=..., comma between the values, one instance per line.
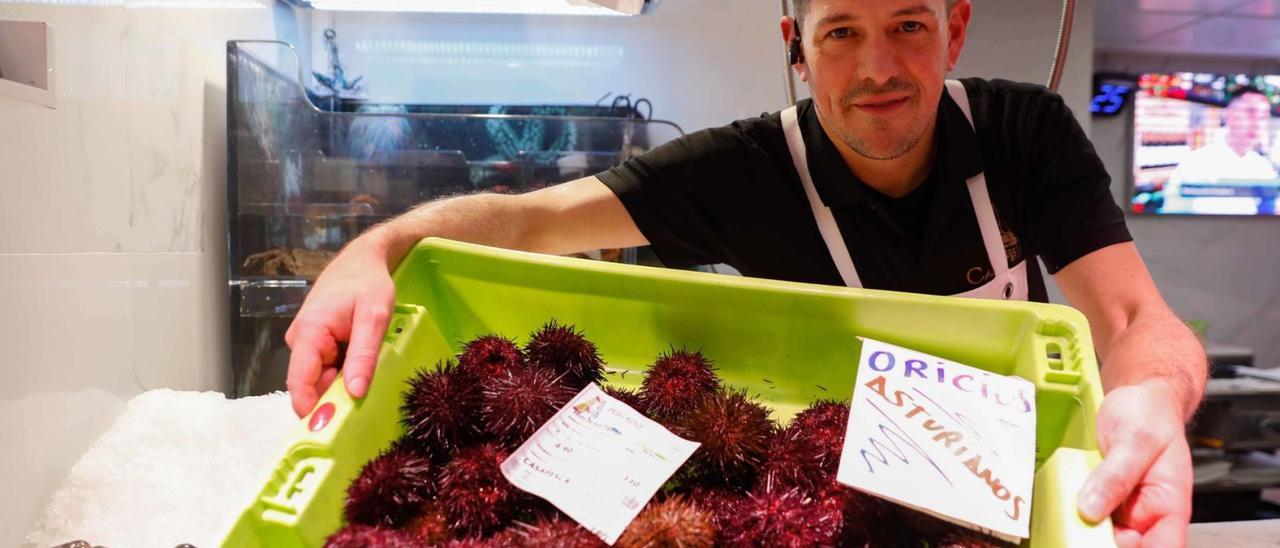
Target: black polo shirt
x=731, y=195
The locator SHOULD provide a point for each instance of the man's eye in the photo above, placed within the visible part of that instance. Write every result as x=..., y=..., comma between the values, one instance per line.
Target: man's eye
x=839, y=33
x=912, y=26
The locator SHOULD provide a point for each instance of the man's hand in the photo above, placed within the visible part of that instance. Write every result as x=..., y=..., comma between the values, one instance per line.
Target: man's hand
x=351, y=302
x=1144, y=481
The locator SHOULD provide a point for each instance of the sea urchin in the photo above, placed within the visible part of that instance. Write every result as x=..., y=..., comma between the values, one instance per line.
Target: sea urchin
x=560, y=348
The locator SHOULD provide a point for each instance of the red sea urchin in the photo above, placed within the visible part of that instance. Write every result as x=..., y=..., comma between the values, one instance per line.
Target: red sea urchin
x=793, y=460
x=807, y=454
x=827, y=418
x=965, y=538
x=554, y=532
x=671, y=522
x=476, y=542
x=390, y=489
x=439, y=411
x=676, y=382
x=734, y=431
x=364, y=536
x=516, y=403
x=431, y=526
x=781, y=517
x=864, y=519
x=479, y=497
x=490, y=356
x=560, y=348
x=720, y=502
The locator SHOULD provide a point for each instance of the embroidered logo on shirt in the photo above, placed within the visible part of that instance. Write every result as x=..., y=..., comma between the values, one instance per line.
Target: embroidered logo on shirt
x=1012, y=248
x=979, y=275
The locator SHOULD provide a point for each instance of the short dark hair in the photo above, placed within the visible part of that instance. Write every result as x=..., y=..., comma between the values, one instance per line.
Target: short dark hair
x=801, y=7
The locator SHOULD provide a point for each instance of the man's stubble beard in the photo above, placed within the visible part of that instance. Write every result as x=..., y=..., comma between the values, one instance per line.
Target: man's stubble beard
x=914, y=133
x=900, y=149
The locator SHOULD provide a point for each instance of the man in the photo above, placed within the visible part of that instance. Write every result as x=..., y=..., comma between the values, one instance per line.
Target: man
x=1232, y=160
x=880, y=180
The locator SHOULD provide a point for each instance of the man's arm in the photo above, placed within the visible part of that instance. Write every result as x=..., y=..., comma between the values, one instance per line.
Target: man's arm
x=572, y=217
x=1132, y=326
x=1153, y=370
x=352, y=299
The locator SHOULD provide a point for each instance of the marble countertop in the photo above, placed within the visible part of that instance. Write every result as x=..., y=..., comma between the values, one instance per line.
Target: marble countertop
x=1236, y=534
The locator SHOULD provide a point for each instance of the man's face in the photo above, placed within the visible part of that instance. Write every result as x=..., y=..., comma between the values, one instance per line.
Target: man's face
x=1246, y=118
x=876, y=68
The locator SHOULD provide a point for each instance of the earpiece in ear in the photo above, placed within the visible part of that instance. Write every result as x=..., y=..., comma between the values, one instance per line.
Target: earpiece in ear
x=795, y=52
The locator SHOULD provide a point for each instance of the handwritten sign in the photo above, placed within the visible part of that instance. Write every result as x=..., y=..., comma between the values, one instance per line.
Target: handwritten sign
x=597, y=460
x=944, y=438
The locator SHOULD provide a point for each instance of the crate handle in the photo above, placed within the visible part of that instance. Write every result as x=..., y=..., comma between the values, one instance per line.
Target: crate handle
x=304, y=472
x=404, y=318
x=1061, y=357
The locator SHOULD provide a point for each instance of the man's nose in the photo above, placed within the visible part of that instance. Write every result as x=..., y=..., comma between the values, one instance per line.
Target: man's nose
x=879, y=60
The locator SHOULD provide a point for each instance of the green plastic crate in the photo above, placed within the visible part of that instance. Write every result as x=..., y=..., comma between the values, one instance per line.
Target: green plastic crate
x=801, y=337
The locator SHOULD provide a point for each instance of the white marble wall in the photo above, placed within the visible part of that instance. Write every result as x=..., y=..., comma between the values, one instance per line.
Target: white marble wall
x=113, y=226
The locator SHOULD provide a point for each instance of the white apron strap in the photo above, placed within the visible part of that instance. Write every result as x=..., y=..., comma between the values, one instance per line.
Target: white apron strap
x=978, y=195
x=821, y=213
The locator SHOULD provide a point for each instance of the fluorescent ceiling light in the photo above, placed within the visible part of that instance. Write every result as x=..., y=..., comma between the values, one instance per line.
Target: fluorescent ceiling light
x=550, y=7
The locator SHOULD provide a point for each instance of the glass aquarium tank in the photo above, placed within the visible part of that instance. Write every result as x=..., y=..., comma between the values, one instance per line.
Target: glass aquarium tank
x=308, y=172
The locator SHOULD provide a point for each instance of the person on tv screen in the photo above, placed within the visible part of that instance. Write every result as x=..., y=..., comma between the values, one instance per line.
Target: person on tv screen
x=1234, y=173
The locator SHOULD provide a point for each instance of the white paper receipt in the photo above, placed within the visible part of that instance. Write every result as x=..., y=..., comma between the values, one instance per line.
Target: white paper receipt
x=948, y=439
x=598, y=460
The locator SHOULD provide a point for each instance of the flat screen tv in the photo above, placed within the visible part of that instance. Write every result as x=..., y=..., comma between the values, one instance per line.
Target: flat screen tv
x=1206, y=144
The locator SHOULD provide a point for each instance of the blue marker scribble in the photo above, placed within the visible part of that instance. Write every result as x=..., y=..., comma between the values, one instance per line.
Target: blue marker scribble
x=897, y=452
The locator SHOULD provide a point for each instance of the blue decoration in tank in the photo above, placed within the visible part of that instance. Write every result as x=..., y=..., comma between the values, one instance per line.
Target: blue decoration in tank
x=336, y=82
x=540, y=140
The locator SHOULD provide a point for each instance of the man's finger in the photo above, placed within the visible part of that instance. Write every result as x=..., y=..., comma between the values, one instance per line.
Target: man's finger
x=362, y=353
x=1113, y=480
x=304, y=371
x=313, y=349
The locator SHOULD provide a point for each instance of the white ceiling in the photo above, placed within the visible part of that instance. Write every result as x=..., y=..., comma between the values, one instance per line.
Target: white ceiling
x=1236, y=28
